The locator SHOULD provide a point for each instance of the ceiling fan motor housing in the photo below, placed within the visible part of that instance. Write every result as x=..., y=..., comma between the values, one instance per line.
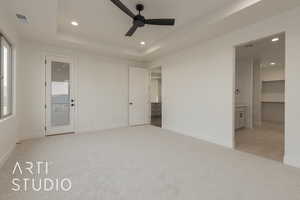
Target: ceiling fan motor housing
x=139, y=20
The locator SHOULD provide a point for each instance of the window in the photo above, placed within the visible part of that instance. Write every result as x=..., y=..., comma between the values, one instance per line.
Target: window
x=5, y=78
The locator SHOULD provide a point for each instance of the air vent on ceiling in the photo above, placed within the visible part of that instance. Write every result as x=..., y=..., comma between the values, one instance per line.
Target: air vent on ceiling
x=23, y=19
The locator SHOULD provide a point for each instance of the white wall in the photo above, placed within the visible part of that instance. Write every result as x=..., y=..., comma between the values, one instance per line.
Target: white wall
x=101, y=89
x=8, y=127
x=273, y=112
x=272, y=73
x=198, y=84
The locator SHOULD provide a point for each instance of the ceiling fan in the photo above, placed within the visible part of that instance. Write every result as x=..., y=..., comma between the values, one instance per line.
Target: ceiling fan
x=139, y=20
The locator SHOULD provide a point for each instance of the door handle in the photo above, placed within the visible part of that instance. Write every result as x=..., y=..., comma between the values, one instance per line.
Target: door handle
x=72, y=102
x=131, y=103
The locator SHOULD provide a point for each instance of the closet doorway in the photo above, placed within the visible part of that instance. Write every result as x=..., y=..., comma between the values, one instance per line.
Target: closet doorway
x=260, y=97
x=155, y=96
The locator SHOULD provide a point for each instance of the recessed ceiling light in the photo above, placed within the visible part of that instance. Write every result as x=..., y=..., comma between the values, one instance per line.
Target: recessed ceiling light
x=272, y=63
x=275, y=39
x=74, y=23
x=143, y=43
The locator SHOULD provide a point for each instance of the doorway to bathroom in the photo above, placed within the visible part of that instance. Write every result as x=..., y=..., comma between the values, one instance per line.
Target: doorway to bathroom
x=260, y=97
x=155, y=96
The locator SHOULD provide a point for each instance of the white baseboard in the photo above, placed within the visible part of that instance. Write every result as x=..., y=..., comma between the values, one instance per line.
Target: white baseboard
x=293, y=161
x=5, y=157
x=224, y=143
x=84, y=131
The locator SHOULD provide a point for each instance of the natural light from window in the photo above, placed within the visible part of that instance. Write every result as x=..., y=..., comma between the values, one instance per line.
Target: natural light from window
x=6, y=78
x=5, y=81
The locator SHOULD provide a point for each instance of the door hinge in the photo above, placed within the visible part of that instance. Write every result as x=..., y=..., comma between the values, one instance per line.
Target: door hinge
x=45, y=84
x=45, y=106
x=45, y=128
x=45, y=61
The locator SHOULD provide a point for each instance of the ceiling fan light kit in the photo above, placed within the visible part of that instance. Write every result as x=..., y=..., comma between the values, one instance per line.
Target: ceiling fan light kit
x=139, y=20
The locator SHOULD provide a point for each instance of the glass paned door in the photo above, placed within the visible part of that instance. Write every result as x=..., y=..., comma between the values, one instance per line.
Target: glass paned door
x=60, y=101
x=60, y=94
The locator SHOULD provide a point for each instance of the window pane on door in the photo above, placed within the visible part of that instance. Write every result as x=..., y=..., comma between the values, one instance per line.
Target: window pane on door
x=60, y=94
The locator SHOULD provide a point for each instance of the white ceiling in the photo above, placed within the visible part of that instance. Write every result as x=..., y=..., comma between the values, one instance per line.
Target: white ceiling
x=102, y=21
x=103, y=26
x=264, y=50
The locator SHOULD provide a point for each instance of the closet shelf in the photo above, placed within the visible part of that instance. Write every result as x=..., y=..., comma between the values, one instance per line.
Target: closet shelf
x=281, y=102
x=270, y=81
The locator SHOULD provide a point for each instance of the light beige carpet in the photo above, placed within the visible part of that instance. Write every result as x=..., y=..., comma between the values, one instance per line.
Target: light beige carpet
x=148, y=163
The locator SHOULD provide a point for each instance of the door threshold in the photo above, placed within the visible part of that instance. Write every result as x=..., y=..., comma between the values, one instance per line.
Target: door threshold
x=138, y=125
x=61, y=134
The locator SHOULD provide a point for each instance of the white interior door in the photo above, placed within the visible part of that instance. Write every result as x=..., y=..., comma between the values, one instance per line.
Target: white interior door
x=138, y=96
x=60, y=101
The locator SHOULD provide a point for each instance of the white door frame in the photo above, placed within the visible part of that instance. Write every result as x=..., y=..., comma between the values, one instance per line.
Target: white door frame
x=62, y=129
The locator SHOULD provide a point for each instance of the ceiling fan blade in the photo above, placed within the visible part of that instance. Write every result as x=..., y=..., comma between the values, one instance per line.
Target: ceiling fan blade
x=132, y=30
x=123, y=8
x=162, y=22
